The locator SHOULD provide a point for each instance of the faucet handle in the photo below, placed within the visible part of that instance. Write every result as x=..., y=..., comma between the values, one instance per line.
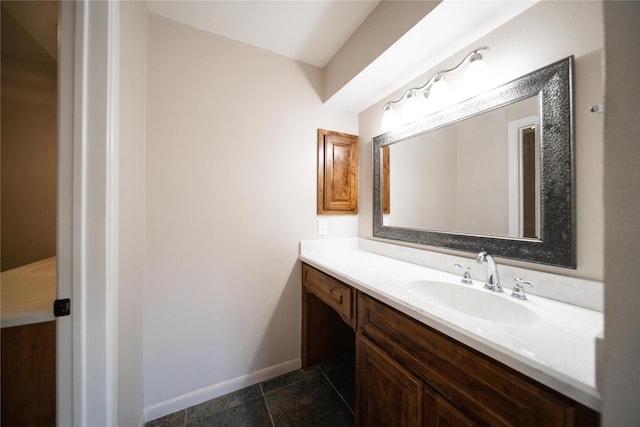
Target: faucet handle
x=466, y=276
x=518, y=289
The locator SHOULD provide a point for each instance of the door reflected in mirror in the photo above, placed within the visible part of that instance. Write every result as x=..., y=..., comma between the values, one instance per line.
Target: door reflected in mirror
x=476, y=176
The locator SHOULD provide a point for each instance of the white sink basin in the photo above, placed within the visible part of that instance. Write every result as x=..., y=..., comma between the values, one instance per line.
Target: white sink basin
x=473, y=302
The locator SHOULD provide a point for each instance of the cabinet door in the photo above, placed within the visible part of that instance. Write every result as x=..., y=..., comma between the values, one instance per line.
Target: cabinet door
x=386, y=393
x=440, y=413
x=337, y=173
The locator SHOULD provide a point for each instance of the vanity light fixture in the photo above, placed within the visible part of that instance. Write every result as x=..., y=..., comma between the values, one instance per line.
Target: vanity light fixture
x=390, y=118
x=477, y=76
x=434, y=93
x=415, y=105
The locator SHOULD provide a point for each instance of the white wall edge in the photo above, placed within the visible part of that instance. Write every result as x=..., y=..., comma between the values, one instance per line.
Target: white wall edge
x=113, y=209
x=195, y=397
x=78, y=298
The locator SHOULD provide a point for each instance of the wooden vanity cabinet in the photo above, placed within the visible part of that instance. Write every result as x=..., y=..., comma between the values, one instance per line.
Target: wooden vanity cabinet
x=337, y=295
x=408, y=374
x=461, y=387
x=328, y=317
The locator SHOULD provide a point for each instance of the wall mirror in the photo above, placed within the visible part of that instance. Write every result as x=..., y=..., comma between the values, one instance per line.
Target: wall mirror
x=494, y=173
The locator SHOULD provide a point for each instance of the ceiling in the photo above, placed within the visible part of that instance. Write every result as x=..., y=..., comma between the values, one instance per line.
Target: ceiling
x=312, y=31
x=39, y=19
x=309, y=31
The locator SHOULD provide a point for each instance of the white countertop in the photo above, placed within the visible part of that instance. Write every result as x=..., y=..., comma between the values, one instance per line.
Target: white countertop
x=27, y=293
x=558, y=350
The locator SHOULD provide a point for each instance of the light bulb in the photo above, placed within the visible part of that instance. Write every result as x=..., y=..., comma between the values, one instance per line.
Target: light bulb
x=439, y=92
x=414, y=108
x=390, y=119
x=477, y=77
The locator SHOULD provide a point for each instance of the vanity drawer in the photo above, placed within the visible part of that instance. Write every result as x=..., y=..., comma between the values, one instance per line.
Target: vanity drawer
x=335, y=294
x=492, y=393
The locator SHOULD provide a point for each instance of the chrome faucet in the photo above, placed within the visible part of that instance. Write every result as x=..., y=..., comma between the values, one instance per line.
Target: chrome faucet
x=493, y=279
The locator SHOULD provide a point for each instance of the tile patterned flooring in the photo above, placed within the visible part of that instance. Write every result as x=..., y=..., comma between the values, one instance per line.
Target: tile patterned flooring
x=323, y=395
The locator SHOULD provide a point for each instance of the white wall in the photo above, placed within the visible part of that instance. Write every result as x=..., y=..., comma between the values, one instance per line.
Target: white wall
x=622, y=201
x=545, y=33
x=230, y=191
x=483, y=169
x=132, y=128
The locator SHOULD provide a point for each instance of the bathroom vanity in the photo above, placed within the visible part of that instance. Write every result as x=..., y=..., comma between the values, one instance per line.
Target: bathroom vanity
x=421, y=361
x=28, y=344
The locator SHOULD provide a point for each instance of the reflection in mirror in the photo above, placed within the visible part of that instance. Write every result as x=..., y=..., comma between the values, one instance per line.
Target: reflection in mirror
x=478, y=175
x=492, y=173
x=524, y=177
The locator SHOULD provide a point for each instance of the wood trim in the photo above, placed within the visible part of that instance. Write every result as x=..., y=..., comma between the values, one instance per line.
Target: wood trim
x=386, y=180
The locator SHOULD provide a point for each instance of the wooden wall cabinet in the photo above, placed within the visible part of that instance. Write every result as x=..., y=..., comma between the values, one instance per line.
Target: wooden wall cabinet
x=408, y=374
x=337, y=173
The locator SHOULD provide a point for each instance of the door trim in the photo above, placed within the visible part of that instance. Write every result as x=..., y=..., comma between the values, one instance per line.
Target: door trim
x=87, y=213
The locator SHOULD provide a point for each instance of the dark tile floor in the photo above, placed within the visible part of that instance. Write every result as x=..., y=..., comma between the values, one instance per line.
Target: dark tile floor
x=323, y=395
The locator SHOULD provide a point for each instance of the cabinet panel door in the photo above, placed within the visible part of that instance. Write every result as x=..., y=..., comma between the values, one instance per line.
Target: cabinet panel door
x=337, y=173
x=386, y=393
x=440, y=413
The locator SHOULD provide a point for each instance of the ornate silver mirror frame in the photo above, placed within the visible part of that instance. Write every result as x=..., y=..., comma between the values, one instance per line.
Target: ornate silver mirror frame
x=556, y=244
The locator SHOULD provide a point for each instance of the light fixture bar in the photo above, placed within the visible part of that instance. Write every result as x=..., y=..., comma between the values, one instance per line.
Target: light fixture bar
x=474, y=55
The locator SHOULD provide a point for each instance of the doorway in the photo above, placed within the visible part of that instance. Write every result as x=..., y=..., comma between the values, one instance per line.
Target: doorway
x=28, y=211
x=524, y=177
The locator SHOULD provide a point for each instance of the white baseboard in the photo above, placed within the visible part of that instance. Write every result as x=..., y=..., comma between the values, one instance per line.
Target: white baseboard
x=195, y=397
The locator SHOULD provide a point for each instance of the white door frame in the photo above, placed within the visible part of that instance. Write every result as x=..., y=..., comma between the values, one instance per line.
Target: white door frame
x=87, y=213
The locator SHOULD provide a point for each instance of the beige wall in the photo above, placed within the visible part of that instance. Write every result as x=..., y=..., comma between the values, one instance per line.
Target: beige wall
x=230, y=191
x=462, y=171
x=29, y=148
x=545, y=33
x=483, y=169
x=425, y=160
x=389, y=21
x=131, y=219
